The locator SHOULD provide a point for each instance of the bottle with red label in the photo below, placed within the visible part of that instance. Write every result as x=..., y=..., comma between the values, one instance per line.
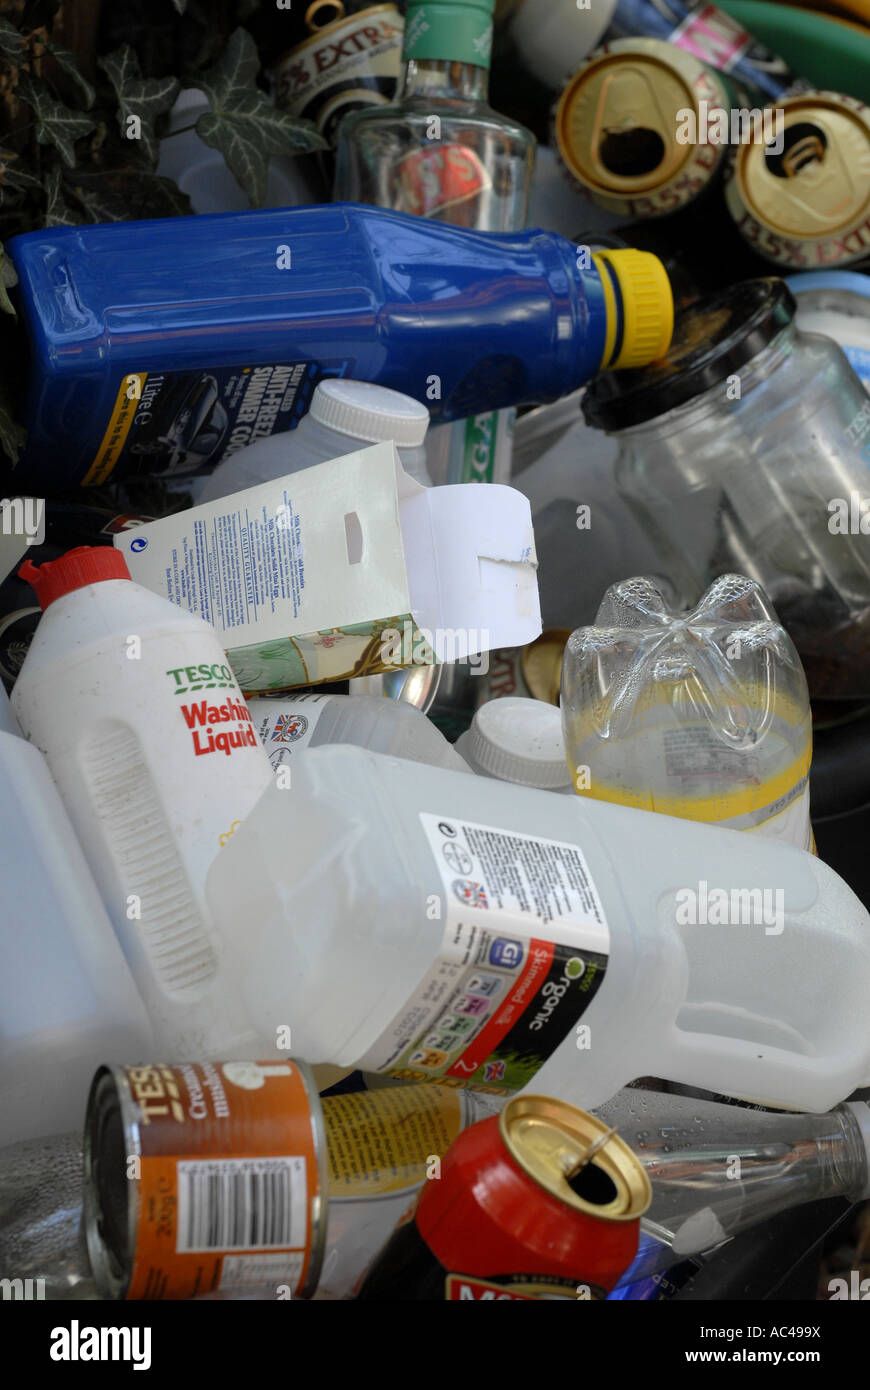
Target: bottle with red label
x=442, y=152
x=153, y=751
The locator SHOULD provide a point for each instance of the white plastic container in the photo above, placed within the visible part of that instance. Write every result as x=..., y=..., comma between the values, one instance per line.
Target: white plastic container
x=387, y=908
x=287, y=723
x=553, y=39
x=151, y=746
x=67, y=999
x=344, y=416
x=837, y=303
x=518, y=740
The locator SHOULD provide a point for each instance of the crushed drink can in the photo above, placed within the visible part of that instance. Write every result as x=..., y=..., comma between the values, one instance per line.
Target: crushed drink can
x=709, y=34
x=541, y=1202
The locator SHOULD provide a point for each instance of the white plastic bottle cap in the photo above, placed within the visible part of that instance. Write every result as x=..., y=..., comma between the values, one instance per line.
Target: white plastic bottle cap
x=370, y=412
x=861, y=1110
x=517, y=740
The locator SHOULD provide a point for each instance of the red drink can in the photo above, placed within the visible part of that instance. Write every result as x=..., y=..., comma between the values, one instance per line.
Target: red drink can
x=541, y=1201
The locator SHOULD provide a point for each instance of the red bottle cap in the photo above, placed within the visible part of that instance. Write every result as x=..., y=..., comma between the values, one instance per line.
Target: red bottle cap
x=87, y=564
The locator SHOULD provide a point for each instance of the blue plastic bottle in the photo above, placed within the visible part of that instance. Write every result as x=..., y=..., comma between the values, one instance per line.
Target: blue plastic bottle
x=161, y=347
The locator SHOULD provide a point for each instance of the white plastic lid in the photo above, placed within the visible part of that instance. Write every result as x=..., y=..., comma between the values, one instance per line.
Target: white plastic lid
x=369, y=412
x=861, y=1110
x=517, y=740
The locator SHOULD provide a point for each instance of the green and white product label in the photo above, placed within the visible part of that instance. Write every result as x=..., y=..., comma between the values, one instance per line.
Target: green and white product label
x=524, y=951
x=288, y=724
x=451, y=32
x=481, y=448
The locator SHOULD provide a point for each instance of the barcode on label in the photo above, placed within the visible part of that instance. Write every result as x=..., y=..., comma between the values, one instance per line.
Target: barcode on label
x=242, y=1204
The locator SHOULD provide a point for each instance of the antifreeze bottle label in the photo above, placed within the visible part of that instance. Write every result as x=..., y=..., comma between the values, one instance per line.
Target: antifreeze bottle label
x=169, y=422
x=523, y=953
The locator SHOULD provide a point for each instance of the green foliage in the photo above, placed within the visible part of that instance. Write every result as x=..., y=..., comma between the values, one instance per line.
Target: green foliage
x=243, y=125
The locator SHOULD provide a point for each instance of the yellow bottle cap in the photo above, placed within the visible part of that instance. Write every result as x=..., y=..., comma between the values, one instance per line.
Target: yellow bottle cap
x=640, y=281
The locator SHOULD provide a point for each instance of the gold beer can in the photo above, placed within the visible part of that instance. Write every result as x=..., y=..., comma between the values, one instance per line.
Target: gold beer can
x=803, y=200
x=618, y=125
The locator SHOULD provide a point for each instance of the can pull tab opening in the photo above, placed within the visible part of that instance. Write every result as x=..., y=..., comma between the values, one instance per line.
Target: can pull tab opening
x=803, y=144
x=323, y=12
x=587, y=1180
x=593, y=1185
x=631, y=153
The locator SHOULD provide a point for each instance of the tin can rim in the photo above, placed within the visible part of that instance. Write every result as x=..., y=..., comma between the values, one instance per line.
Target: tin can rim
x=318, y=1213
x=679, y=63
x=531, y=1128
x=747, y=161
x=109, y=1091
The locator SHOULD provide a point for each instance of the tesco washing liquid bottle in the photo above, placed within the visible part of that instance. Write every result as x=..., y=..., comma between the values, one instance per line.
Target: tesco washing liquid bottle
x=163, y=346
x=153, y=751
x=431, y=925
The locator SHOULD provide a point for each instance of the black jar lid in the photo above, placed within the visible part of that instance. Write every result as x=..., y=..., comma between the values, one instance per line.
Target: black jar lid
x=713, y=338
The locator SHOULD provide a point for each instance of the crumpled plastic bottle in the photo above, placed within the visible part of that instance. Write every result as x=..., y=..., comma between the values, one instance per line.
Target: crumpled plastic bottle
x=702, y=714
x=41, y=1238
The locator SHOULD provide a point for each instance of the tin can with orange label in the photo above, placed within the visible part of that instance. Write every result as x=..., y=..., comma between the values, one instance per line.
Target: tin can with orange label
x=234, y=1179
x=205, y=1179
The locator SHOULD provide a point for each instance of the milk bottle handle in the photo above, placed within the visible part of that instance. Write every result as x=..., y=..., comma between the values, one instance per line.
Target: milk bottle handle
x=716, y=1062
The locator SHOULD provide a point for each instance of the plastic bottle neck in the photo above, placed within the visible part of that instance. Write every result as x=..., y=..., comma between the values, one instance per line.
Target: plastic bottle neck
x=437, y=79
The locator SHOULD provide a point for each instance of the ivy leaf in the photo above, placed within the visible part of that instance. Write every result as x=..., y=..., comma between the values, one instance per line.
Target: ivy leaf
x=56, y=124
x=12, y=43
x=140, y=98
x=11, y=176
x=12, y=436
x=243, y=125
x=57, y=213
x=67, y=62
x=8, y=278
x=122, y=195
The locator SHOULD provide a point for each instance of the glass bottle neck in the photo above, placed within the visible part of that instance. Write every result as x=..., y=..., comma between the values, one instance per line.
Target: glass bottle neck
x=439, y=78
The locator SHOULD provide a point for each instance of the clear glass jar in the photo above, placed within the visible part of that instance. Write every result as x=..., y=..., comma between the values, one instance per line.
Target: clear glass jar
x=746, y=449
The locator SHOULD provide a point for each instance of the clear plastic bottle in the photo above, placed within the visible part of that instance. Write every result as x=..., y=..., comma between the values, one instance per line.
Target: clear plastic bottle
x=717, y=1170
x=150, y=743
x=409, y=920
x=703, y=715
x=288, y=723
x=344, y=416
x=745, y=449
x=518, y=740
x=440, y=151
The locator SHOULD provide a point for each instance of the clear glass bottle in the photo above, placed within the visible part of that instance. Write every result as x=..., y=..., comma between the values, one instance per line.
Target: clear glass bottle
x=718, y=1170
x=441, y=152
x=745, y=449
